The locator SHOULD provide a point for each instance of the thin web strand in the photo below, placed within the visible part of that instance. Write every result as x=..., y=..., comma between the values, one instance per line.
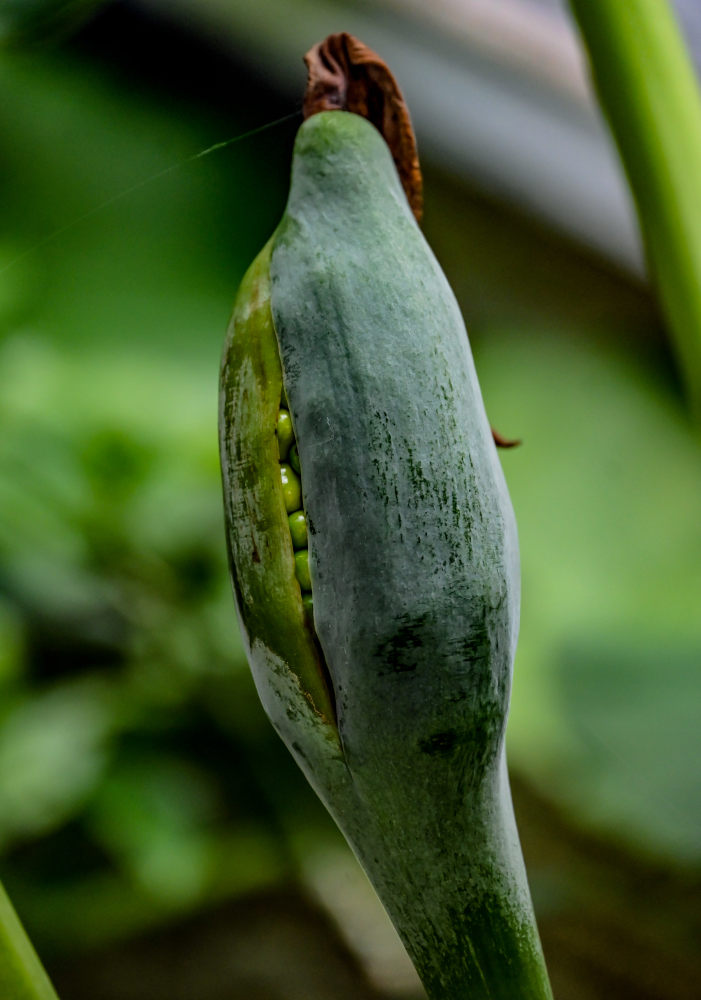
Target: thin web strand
x=142, y=183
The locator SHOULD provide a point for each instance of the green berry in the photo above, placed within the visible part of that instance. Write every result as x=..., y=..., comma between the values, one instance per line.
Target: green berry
x=294, y=459
x=291, y=488
x=308, y=605
x=298, y=529
x=302, y=569
x=285, y=433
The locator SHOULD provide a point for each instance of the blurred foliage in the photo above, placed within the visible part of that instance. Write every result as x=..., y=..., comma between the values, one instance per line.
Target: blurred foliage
x=606, y=490
x=23, y=21
x=138, y=775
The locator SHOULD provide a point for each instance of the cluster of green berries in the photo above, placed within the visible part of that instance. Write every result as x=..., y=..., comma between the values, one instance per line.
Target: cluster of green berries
x=292, y=493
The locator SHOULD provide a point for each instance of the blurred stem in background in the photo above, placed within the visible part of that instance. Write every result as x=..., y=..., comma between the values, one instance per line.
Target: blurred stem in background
x=22, y=976
x=648, y=89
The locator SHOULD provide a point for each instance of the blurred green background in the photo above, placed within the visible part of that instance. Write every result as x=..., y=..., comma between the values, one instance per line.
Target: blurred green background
x=155, y=837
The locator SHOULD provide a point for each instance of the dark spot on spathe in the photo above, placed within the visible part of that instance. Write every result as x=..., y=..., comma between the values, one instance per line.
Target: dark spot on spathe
x=401, y=652
x=440, y=744
x=476, y=646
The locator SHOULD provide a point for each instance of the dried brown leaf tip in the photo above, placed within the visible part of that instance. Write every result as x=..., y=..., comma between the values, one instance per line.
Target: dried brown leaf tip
x=502, y=442
x=343, y=74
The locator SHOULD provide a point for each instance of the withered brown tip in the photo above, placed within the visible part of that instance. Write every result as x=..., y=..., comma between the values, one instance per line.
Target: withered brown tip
x=502, y=442
x=344, y=74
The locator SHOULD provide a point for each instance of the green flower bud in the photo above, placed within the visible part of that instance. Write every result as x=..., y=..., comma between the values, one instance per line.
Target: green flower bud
x=393, y=697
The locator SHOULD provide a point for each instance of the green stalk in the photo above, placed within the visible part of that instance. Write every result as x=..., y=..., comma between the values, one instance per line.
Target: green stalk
x=22, y=976
x=649, y=92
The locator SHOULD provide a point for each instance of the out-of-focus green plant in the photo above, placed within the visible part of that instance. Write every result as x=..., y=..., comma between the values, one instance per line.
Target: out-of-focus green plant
x=28, y=21
x=122, y=801
x=649, y=91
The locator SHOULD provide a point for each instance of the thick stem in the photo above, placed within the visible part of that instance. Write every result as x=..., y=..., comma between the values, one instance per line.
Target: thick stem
x=22, y=976
x=649, y=92
x=467, y=919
